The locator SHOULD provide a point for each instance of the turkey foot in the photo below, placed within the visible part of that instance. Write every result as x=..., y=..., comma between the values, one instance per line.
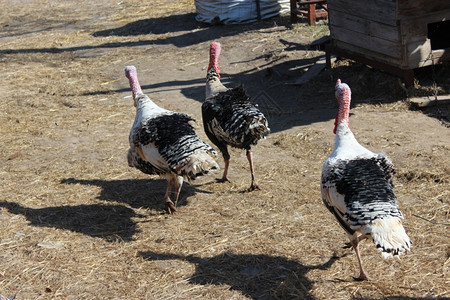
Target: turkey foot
x=225, y=173
x=253, y=187
x=170, y=207
x=222, y=180
x=362, y=277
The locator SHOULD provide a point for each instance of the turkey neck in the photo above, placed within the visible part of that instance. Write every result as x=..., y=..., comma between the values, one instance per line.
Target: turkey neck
x=213, y=83
x=131, y=74
x=343, y=96
x=147, y=109
x=214, y=54
x=346, y=145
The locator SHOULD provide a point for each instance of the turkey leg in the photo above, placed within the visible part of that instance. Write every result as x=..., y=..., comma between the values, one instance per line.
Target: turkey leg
x=170, y=207
x=253, y=185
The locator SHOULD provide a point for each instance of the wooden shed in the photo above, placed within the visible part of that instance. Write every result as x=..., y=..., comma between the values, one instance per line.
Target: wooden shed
x=396, y=36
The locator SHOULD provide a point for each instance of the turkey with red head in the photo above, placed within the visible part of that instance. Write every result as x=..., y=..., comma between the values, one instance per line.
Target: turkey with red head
x=164, y=142
x=230, y=118
x=357, y=187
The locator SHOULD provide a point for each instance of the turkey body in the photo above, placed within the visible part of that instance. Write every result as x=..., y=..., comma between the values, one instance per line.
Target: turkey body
x=357, y=188
x=164, y=142
x=230, y=118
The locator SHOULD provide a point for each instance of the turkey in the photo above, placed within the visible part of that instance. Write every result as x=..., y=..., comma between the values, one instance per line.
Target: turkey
x=230, y=118
x=163, y=142
x=357, y=188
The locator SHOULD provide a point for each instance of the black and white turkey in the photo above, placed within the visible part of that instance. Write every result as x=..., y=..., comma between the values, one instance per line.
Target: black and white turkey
x=230, y=118
x=357, y=187
x=163, y=142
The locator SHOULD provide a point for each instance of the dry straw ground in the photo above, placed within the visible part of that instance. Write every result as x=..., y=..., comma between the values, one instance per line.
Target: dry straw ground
x=77, y=223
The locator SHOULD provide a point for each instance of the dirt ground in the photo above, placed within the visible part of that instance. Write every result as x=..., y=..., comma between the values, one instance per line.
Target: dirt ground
x=77, y=223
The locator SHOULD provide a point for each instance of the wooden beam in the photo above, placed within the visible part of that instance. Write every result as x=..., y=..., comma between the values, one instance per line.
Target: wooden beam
x=420, y=102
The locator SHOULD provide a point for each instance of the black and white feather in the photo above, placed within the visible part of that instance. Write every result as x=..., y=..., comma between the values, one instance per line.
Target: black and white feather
x=164, y=142
x=357, y=188
x=359, y=192
x=172, y=141
x=230, y=118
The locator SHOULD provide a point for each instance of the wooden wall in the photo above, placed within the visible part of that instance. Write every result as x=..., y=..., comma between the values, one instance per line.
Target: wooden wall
x=388, y=31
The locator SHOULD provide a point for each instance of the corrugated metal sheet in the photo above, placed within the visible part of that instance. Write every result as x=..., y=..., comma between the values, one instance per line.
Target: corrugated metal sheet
x=238, y=11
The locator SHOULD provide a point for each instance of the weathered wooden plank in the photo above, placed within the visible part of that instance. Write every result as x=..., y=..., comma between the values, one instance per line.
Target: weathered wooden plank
x=430, y=101
x=408, y=8
x=374, y=44
x=312, y=71
x=416, y=26
x=411, y=61
x=393, y=32
x=321, y=41
x=382, y=11
x=367, y=27
x=375, y=56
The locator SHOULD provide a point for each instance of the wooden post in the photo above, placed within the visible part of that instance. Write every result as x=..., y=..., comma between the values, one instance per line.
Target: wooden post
x=312, y=14
x=293, y=11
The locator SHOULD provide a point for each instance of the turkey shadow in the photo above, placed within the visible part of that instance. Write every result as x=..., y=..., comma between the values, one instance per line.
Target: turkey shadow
x=193, y=32
x=255, y=276
x=137, y=192
x=109, y=222
x=172, y=23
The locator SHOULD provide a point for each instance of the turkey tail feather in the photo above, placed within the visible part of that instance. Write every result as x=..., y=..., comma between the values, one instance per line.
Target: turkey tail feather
x=198, y=164
x=390, y=236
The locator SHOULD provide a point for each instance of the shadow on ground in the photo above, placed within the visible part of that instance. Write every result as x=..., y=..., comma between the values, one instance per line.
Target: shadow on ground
x=110, y=222
x=255, y=276
x=173, y=23
x=137, y=193
x=190, y=32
